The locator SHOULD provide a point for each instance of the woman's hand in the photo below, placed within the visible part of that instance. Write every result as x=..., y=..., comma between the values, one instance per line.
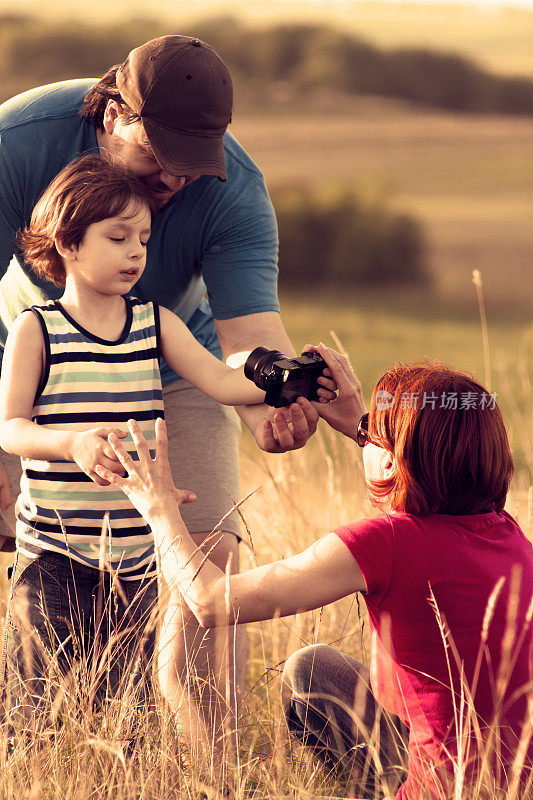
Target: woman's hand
x=149, y=483
x=344, y=412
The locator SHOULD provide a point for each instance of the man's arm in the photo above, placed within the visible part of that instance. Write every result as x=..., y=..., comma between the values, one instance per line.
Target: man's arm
x=239, y=267
x=237, y=337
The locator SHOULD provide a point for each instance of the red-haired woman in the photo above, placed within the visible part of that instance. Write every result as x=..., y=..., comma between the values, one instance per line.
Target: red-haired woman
x=447, y=576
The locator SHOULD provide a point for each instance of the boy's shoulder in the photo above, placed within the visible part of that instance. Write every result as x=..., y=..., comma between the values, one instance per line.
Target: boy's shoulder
x=40, y=310
x=26, y=327
x=136, y=302
x=142, y=313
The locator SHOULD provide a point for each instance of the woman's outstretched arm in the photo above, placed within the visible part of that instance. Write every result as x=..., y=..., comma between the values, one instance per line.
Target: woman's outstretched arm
x=323, y=573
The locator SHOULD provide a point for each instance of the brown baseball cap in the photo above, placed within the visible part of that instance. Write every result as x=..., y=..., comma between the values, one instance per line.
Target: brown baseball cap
x=183, y=92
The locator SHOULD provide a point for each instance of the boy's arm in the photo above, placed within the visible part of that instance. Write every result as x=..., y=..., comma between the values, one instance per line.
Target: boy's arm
x=22, y=368
x=238, y=337
x=192, y=361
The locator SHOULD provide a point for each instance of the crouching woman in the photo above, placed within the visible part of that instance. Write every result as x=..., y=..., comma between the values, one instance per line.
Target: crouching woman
x=447, y=577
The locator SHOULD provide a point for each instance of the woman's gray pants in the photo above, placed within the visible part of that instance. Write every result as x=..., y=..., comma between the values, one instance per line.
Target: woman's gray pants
x=329, y=707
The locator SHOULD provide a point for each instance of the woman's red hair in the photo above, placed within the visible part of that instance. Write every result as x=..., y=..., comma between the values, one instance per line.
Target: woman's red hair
x=447, y=435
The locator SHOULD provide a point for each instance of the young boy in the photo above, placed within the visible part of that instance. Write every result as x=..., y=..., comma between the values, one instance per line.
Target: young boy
x=74, y=370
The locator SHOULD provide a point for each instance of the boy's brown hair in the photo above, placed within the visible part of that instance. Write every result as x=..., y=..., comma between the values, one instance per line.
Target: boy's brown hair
x=88, y=190
x=448, y=438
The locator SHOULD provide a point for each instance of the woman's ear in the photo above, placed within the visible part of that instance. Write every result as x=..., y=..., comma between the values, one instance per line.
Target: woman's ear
x=112, y=112
x=68, y=252
x=389, y=466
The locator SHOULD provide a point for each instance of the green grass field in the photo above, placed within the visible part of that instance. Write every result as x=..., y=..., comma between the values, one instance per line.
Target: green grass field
x=378, y=328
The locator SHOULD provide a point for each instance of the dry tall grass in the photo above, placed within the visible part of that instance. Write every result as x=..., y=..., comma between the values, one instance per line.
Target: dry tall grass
x=125, y=750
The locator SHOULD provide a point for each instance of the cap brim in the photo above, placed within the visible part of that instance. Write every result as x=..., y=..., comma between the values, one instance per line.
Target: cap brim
x=186, y=154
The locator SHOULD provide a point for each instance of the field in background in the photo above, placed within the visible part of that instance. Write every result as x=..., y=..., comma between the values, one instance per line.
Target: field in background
x=468, y=179
x=499, y=38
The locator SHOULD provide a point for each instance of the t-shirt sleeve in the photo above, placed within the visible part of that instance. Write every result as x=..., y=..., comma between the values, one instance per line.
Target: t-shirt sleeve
x=371, y=543
x=239, y=262
x=11, y=215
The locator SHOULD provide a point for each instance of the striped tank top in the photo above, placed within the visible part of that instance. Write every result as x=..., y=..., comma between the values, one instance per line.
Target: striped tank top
x=87, y=383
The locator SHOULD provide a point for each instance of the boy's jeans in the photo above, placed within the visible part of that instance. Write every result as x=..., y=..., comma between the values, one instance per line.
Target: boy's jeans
x=70, y=630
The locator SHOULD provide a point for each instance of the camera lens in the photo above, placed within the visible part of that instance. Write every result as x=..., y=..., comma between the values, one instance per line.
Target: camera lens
x=259, y=363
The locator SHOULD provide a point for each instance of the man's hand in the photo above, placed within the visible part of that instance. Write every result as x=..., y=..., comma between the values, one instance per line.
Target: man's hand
x=288, y=428
x=346, y=410
x=91, y=448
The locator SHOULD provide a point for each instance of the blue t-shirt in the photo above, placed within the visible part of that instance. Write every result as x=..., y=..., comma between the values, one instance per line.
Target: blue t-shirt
x=214, y=236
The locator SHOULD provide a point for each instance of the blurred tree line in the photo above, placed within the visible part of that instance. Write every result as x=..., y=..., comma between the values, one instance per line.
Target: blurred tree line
x=337, y=239
x=300, y=58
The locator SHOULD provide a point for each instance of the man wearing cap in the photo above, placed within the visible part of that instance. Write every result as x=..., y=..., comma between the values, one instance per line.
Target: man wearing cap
x=164, y=113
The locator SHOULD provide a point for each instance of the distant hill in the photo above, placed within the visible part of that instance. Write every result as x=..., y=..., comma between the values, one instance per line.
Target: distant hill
x=499, y=37
x=272, y=65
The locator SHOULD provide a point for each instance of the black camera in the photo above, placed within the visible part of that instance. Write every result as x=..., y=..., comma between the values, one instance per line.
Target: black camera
x=282, y=378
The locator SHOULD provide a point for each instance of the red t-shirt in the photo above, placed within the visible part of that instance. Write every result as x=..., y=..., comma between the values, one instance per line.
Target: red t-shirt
x=405, y=559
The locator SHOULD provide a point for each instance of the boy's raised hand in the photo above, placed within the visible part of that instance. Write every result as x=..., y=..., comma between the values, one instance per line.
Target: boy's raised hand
x=149, y=484
x=91, y=448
